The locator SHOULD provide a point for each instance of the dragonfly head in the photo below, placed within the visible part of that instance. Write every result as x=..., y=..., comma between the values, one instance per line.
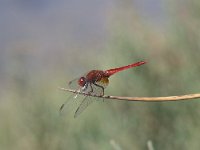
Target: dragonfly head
x=82, y=81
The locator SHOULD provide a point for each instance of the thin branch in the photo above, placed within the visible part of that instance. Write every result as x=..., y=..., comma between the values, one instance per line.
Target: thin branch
x=144, y=99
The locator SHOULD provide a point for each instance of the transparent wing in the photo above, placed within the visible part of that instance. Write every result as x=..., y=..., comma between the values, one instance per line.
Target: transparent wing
x=84, y=104
x=69, y=104
x=73, y=84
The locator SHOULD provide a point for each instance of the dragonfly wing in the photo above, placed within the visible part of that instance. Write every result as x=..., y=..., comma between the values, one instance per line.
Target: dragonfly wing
x=84, y=104
x=73, y=84
x=69, y=104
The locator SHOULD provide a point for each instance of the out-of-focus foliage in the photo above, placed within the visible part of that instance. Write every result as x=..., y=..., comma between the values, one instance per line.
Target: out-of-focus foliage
x=30, y=76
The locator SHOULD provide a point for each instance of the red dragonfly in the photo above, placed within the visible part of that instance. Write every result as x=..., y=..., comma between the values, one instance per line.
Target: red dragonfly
x=93, y=83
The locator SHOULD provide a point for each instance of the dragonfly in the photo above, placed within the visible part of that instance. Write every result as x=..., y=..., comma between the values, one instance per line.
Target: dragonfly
x=93, y=82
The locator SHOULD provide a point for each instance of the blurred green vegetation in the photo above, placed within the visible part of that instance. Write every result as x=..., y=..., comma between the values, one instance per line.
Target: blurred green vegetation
x=30, y=100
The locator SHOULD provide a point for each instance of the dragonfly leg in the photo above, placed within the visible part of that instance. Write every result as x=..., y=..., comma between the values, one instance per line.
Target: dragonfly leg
x=91, y=89
x=101, y=88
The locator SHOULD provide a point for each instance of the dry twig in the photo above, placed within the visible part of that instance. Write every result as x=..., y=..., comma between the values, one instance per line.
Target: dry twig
x=144, y=99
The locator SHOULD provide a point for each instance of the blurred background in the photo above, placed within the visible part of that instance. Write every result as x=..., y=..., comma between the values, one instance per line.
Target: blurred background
x=45, y=44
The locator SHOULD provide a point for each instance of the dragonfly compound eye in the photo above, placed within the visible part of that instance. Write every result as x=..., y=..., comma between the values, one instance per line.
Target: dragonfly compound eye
x=82, y=81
